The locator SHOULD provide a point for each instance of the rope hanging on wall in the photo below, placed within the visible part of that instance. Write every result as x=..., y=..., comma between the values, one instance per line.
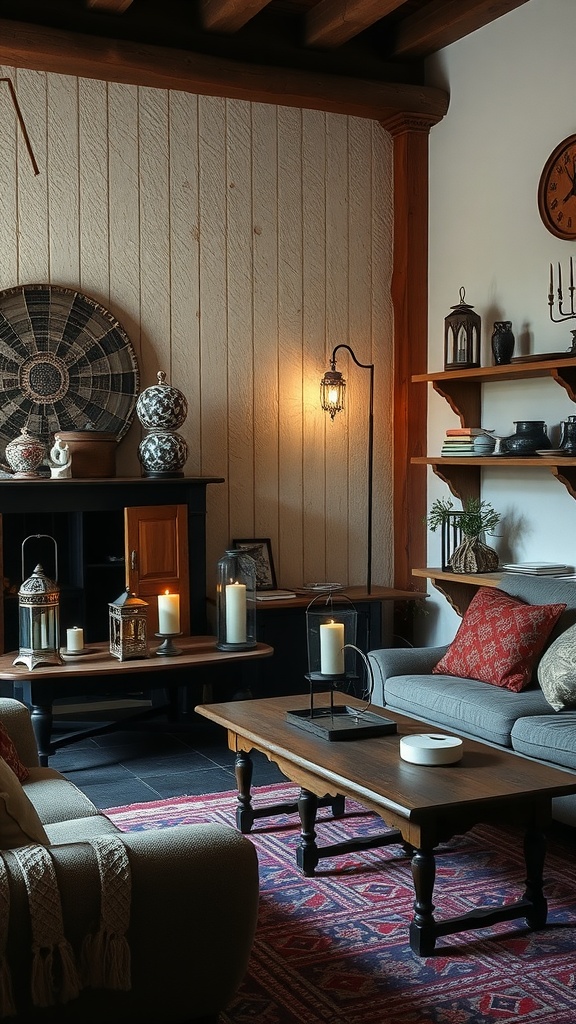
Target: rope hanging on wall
x=22, y=125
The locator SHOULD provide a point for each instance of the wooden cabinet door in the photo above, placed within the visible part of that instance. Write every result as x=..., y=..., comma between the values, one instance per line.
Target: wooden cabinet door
x=156, y=551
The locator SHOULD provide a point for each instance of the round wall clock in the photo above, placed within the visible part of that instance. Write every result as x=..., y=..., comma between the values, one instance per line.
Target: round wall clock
x=557, y=190
x=65, y=364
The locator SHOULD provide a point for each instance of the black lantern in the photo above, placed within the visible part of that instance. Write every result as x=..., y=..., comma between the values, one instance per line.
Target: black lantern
x=332, y=660
x=128, y=627
x=39, y=615
x=461, y=336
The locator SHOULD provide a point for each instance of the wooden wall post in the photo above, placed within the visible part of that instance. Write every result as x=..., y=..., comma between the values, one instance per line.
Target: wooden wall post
x=410, y=304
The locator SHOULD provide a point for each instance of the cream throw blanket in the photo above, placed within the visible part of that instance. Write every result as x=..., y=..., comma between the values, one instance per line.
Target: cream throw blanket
x=57, y=976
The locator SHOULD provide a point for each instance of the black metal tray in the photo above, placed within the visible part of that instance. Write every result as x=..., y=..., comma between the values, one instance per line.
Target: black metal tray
x=341, y=723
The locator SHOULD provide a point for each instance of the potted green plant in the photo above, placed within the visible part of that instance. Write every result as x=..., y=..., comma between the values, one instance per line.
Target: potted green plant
x=475, y=520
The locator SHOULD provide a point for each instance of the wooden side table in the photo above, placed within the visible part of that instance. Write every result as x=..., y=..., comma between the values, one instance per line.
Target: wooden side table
x=98, y=673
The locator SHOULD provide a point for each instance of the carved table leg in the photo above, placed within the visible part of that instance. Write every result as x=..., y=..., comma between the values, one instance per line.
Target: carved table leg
x=534, y=853
x=307, y=853
x=423, y=925
x=243, y=768
x=42, y=720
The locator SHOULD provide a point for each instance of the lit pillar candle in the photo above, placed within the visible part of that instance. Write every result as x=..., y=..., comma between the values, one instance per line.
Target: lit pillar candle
x=169, y=613
x=332, y=648
x=75, y=639
x=236, y=613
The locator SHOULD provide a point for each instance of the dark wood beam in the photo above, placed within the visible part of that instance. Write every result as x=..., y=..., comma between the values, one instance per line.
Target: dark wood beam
x=114, y=6
x=334, y=22
x=438, y=24
x=229, y=15
x=52, y=50
x=410, y=304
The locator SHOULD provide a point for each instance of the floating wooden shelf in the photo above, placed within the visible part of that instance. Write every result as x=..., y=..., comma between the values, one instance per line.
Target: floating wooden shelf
x=462, y=388
x=462, y=474
x=458, y=588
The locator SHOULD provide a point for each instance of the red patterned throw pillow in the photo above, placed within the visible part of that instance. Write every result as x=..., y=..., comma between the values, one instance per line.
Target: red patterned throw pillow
x=10, y=754
x=499, y=639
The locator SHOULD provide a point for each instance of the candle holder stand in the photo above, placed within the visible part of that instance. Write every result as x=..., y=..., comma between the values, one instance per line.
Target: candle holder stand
x=563, y=313
x=168, y=648
x=331, y=633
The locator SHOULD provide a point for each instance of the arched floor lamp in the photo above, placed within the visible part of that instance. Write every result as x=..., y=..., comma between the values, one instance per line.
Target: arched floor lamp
x=332, y=392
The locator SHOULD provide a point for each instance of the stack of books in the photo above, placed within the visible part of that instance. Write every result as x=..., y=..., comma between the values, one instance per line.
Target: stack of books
x=461, y=440
x=538, y=568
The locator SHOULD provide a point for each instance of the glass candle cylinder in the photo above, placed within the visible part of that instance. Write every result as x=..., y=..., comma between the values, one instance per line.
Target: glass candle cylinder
x=236, y=601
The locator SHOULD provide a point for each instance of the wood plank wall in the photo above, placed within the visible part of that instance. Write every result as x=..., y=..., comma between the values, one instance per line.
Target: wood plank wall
x=238, y=243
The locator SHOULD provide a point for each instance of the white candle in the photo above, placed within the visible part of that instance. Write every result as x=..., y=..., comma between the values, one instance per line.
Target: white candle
x=332, y=648
x=169, y=613
x=75, y=639
x=44, y=630
x=235, y=613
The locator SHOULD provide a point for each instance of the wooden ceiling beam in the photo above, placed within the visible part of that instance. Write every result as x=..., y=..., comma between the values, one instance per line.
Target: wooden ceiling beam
x=334, y=22
x=444, y=22
x=229, y=15
x=52, y=50
x=114, y=6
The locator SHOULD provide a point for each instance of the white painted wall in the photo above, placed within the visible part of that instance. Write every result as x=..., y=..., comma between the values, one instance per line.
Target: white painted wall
x=512, y=87
x=238, y=244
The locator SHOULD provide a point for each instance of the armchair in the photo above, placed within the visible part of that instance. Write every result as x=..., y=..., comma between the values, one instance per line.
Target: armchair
x=192, y=894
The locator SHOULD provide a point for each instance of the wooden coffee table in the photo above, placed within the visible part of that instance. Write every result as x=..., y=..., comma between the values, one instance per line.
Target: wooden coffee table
x=425, y=805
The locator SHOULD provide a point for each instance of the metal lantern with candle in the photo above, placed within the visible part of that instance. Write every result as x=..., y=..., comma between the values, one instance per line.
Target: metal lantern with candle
x=39, y=614
x=331, y=625
x=236, y=601
x=128, y=622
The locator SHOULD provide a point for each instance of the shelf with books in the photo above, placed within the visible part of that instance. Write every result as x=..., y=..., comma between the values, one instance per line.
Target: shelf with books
x=462, y=472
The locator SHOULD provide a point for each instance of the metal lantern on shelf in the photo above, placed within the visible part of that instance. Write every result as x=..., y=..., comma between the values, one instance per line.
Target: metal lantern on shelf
x=236, y=601
x=128, y=619
x=39, y=615
x=462, y=336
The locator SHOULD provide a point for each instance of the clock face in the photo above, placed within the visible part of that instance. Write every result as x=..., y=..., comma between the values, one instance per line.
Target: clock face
x=557, y=190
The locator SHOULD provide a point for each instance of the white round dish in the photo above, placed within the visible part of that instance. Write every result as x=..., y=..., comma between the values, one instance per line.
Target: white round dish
x=554, y=452
x=431, y=748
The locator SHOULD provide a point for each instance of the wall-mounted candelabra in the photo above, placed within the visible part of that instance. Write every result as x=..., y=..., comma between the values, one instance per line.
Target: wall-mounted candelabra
x=556, y=299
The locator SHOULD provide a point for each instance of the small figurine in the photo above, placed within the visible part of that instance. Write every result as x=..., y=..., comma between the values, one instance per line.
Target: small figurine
x=60, y=461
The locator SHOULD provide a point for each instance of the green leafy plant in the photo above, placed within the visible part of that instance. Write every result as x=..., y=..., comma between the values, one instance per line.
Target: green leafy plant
x=476, y=517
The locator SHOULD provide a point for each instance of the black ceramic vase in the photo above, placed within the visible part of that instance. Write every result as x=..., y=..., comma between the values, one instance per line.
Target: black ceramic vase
x=502, y=342
x=530, y=437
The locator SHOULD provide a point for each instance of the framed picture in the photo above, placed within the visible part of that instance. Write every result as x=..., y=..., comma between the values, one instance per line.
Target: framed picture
x=261, y=552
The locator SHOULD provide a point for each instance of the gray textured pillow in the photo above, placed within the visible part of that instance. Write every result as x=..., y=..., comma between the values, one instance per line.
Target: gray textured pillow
x=557, y=671
x=19, y=821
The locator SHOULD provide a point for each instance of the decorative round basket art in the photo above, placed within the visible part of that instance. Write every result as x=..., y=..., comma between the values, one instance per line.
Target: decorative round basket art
x=65, y=364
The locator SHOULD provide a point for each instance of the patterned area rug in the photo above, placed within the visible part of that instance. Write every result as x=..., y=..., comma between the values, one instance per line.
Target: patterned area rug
x=334, y=949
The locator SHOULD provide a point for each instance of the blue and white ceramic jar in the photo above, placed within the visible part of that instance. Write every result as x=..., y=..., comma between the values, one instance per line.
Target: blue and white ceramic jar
x=161, y=409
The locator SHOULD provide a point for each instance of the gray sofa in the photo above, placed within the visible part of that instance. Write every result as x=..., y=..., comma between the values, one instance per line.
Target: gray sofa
x=192, y=899
x=523, y=722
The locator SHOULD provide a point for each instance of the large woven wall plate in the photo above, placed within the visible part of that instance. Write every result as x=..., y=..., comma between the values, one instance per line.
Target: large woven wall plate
x=65, y=363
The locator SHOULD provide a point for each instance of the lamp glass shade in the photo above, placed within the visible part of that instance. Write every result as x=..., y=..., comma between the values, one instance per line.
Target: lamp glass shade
x=236, y=601
x=332, y=392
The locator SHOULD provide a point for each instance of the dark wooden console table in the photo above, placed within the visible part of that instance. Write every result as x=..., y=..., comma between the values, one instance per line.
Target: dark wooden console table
x=97, y=672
